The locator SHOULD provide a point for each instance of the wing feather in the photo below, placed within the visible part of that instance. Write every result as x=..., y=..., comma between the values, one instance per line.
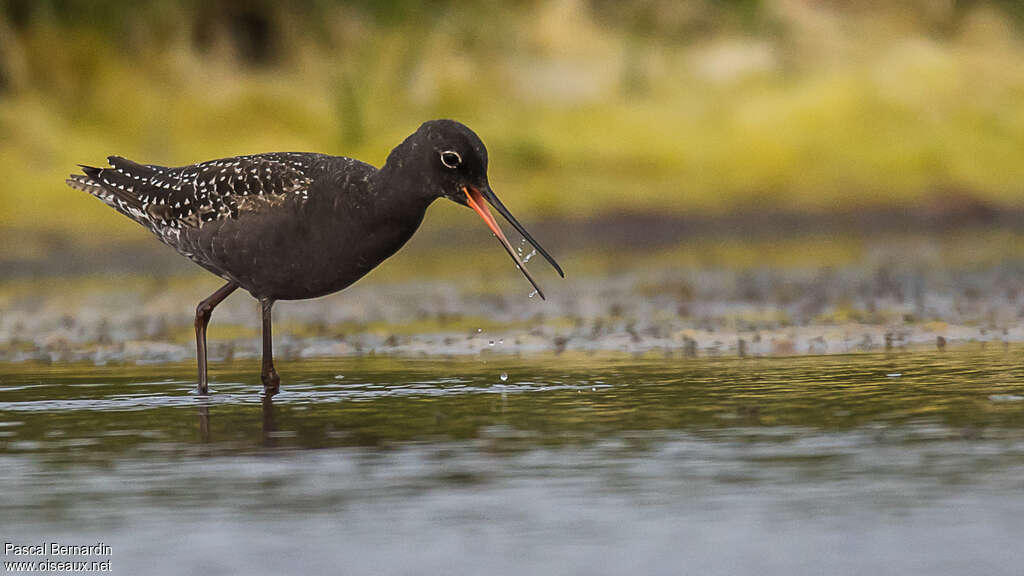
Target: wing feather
x=166, y=199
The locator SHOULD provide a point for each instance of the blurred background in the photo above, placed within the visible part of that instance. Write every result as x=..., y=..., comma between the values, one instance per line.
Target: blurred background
x=821, y=155
x=722, y=181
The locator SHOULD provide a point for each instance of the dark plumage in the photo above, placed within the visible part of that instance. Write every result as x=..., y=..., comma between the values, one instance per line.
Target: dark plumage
x=289, y=225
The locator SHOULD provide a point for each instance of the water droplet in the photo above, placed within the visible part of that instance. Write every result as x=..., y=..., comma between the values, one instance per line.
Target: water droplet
x=530, y=255
x=532, y=294
x=339, y=377
x=479, y=330
x=504, y=376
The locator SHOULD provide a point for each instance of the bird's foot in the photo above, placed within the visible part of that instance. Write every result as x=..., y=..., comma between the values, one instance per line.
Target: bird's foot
x=271, y=382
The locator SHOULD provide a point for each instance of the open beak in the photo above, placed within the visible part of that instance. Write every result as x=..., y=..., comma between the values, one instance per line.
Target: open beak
x=476, y=200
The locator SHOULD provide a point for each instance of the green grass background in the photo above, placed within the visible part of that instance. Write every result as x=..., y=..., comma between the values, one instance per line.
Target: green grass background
x=588, y=108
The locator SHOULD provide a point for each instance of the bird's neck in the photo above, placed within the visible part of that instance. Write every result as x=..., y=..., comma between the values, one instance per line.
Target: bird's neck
x=356, y=227
x=396, y=193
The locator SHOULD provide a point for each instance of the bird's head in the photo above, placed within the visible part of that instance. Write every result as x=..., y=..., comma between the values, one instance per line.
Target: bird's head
x=453, y=160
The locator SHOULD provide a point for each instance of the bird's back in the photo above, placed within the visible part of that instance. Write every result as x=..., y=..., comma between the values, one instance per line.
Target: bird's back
x=213, y=210
x=164, y=199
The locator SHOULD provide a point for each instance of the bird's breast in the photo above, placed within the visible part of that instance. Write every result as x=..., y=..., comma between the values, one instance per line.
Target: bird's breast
x=302, y=255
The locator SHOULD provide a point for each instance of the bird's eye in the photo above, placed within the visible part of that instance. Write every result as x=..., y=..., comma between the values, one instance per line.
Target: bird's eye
x=451, y=159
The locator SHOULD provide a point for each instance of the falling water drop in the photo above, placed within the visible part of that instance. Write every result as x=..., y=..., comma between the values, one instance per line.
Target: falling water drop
x=504, y=376
x=530, y=255
x=532, y=294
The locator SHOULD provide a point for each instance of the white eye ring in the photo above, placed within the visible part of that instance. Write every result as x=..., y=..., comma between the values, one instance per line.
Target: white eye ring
x=451, y=159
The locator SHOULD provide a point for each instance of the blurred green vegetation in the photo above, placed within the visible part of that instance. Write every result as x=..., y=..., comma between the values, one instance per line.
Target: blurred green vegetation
x=588, y=107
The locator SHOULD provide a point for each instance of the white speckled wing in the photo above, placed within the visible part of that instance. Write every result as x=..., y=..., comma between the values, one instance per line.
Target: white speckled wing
x=166, y=200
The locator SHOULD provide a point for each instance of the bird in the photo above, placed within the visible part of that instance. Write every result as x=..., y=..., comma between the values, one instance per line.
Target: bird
x=299, y=225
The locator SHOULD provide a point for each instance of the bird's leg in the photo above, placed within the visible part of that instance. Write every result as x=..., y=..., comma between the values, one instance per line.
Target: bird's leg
x=203, y=312
x=271, y=381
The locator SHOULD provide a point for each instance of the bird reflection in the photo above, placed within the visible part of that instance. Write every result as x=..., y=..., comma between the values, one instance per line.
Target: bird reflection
x=204, y=424
x=269, y=423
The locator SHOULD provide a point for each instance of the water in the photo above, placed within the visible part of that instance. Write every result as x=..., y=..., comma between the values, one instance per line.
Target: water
x=573, y=465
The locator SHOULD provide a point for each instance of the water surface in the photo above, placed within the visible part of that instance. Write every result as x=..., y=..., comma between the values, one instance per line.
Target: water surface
x=572, y=464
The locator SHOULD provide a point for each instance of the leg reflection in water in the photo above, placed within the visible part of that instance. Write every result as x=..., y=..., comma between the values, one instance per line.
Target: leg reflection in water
x=204, y=424
x=269, y=424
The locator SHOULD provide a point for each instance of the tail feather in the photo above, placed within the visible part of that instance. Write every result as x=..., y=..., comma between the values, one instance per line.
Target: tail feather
x=89, y=182
x=91, y=171
x=98, y=182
